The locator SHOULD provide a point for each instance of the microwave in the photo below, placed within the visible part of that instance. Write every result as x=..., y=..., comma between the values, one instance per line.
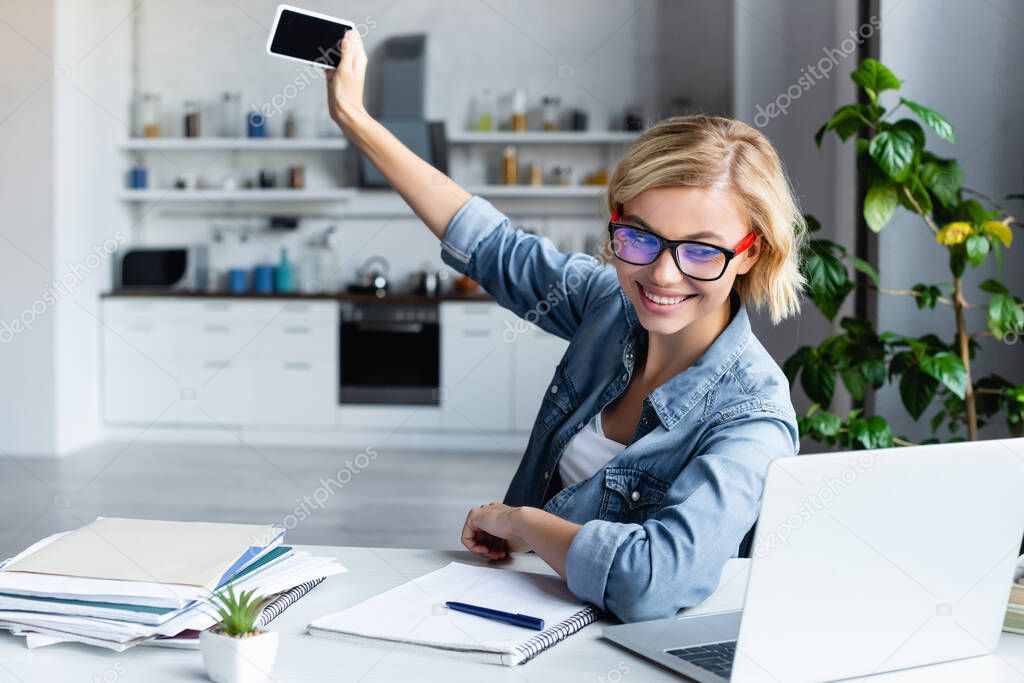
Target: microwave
x=174, y=268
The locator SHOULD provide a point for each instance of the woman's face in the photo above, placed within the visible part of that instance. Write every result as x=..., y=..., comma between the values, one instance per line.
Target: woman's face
x=666, y=300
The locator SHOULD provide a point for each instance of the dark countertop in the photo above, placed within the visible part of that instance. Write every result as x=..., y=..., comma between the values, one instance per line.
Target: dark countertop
x=336, y=296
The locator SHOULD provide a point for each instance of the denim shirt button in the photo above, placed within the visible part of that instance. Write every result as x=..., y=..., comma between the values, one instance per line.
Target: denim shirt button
x=635, y=496
x=580, y=426
x=554, y=388
x=545, y=476
x=625, y=376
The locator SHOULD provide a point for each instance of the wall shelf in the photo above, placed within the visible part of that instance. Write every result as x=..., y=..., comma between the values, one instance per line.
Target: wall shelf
x=337, y=194
x=539, y=137
x=233, y=144
x=344, y=194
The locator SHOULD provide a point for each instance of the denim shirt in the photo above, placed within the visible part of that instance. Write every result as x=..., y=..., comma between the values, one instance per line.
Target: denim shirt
x=661, y=518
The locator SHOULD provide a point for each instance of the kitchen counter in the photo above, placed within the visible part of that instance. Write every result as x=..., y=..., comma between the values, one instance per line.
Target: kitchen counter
x=336, y=296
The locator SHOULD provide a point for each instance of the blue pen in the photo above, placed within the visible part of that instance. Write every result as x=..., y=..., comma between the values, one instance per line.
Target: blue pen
x=497, y=615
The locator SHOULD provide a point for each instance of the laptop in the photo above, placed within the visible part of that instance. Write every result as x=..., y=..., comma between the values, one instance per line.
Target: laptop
x=862, y=562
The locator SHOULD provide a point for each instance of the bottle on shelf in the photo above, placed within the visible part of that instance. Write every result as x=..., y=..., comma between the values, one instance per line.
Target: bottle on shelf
x=518, y=122
x=484, y=111
x=191, y=127
x=283, y=275
x=231, y=118
x=148, y=115
x=550, y=104
x=510, y=166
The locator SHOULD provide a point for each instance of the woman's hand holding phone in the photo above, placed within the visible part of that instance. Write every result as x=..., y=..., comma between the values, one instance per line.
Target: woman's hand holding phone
x=345, y=84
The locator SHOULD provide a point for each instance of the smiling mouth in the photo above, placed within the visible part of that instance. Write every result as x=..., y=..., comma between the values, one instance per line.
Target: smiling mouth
x=664, y=300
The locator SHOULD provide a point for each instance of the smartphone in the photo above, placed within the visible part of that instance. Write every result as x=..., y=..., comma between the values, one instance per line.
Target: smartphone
x=308, y=37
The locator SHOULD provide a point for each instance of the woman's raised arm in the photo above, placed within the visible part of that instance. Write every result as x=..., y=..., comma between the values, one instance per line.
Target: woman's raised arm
x=432, y=195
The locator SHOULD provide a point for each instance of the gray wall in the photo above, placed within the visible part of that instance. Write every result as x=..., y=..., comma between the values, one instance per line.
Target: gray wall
x=774, y=42
x=963, y=60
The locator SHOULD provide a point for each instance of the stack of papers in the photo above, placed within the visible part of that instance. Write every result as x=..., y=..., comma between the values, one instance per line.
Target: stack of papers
x=116, y=583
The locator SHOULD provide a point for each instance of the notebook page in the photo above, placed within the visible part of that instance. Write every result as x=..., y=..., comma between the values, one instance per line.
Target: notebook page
x=414, y=612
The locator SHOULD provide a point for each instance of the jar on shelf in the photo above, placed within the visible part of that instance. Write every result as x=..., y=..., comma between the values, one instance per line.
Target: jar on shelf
x=550, y=104
x=147, y=113
x=191, y=123
x=510, y=166
x=484, y=108
x=231, y=118
x=518, y=121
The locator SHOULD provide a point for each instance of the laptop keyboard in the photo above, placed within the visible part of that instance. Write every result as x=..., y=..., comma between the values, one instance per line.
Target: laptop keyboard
x=716, y=657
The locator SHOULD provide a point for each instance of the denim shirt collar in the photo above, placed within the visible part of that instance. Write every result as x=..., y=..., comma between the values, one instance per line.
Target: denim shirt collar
x=676, y=397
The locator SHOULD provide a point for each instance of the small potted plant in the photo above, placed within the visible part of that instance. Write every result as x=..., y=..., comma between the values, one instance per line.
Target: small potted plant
x=236, y=650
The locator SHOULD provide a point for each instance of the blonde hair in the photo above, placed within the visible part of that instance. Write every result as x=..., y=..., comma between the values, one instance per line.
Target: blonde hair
x=712, y=151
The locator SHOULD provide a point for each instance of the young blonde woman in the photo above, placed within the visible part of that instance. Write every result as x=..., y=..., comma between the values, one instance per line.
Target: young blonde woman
x=646, y=464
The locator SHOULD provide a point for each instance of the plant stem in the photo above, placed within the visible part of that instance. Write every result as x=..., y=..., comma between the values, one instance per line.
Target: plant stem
x=920, y=211
x=965, y=357
x=910, y=292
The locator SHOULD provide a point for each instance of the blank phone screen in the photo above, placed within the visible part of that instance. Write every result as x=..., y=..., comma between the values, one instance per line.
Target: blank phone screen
x=308, y=38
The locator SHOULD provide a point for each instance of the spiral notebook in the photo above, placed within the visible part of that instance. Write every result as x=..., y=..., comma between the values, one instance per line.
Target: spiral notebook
x=413, y=615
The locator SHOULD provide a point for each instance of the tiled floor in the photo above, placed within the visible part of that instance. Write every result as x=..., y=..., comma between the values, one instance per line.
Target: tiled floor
x=390, y=498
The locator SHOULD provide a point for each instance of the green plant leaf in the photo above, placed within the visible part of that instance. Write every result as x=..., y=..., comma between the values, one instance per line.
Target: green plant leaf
x=947, y=368
x=855, y=382
x=828, y=282
x=893, y=151
x=977, y=249
x=864, y=267
x=915, y=130
x=933, y=119
x=993, y=286
x=957, y=259
x=875, y=78
x=872, y=432
x=927, y=295
x=880, y=203
x=943, y=178
x=1005, y=315
x=794, y=363
x=937, y=419
x=920, y=194
x=818, y=380
x=813, y=224
x=917, y=390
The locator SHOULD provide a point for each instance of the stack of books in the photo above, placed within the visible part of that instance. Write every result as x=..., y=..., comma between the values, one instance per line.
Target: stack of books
x=1014, y=621
x=117, y=583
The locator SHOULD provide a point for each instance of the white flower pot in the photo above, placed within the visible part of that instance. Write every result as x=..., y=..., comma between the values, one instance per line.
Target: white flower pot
x=238, y=660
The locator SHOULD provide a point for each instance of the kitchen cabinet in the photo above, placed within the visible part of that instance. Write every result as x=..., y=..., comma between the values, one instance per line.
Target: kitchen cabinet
x=536, y=355
x=494, y=368
x=219, y=363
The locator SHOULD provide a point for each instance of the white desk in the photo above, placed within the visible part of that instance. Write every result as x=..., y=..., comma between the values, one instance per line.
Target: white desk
x=583, y=657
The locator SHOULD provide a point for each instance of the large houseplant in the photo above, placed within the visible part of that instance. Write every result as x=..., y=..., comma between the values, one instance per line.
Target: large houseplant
x=962, y=228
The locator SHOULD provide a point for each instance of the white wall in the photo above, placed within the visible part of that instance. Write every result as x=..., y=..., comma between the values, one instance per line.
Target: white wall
x=982, y=94
x=774, y=42
x=62, y=104
x=27, y=371
x=93, y=39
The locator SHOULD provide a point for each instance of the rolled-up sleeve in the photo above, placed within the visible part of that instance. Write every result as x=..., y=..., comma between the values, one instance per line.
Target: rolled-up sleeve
x=524, y=273
x=674, y=559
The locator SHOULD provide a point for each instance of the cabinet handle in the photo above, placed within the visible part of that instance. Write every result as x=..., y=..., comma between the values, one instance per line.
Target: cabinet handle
x=475, y=310
x=296, y=329
x=216, y=306
x=218, y=364
x=216, y=328
x=297, y=366
x=476, y=333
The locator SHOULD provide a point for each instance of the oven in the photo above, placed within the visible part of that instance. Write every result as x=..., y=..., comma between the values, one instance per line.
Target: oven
x=390, y=353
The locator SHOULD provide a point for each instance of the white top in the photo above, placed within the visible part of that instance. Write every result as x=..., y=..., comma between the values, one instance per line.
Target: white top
x=587, y=452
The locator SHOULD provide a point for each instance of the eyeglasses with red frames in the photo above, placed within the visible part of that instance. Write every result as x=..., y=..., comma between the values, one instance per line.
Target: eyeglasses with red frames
x=695, y=259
